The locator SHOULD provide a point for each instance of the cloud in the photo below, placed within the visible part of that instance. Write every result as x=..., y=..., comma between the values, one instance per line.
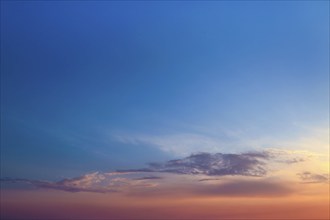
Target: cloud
x=294, y=160
x=64, y=185
x=207, y=179
x=178, y=144
x=149, y=178
x=199, y=168
x=308, y=177
x=51, y=185
x=217, y=139
x=289, y=156
x=246, y=164
x=247, y=188
x=224, y=187
x=183, y=187
x=93, y=182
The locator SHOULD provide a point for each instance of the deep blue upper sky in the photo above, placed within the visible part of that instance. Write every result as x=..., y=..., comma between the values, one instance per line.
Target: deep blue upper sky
x=74, y=73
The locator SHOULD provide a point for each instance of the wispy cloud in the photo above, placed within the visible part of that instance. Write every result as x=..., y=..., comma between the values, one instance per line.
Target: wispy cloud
x=61, y=185
x=206, y=140
x=248, y=188
x=92, y=182
x=149, y=178
x=207, y=179
x=308, y=177
x=179, y=144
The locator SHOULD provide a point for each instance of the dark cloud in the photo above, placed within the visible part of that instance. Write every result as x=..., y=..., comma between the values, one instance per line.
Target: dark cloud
x=93, y=182
x=60, y=185
x=149, y=178
x=207, y=179
x=290, y=160
x=294, y=160
x=308, y=177
x=246, y=164
x=142, y=170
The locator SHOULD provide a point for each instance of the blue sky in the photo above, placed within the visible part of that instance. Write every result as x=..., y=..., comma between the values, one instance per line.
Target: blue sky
x=112, y=85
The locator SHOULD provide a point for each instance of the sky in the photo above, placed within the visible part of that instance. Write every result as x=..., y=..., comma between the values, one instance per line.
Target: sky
x=178, y=104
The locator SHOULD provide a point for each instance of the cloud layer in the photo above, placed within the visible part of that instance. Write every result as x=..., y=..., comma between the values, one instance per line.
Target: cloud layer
x=248, y=188
x=201, y=173
x=308, y=177
x=93, y=182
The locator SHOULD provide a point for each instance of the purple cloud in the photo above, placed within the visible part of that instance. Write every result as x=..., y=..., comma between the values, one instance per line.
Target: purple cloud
x=60, y=185
x=308, y=177
x=94, y=182
x=149, y=178
x=247, y=188
x=245, y=164
x=210, y=167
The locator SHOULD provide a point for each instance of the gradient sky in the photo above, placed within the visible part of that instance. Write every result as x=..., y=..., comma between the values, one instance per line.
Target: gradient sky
x=103, y=86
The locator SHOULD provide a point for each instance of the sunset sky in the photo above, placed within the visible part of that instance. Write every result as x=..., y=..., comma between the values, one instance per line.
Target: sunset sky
x=165, y=109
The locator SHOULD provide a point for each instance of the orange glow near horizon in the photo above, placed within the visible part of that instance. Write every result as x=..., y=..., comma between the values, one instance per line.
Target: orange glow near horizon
x=32, y=204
